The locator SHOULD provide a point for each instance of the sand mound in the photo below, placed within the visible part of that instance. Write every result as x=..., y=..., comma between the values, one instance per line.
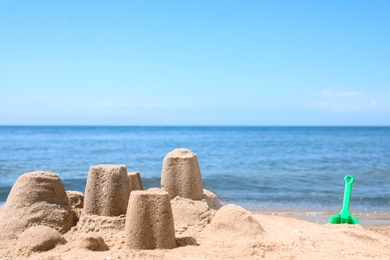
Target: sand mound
x=190, y=216
x=38, y=239
x=211, y=199
x=110, y=229
x=233, y=222
x=92, y=242
x=37, y=198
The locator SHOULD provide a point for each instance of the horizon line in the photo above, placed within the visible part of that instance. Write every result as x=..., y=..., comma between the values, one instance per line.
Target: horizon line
x=97, y=125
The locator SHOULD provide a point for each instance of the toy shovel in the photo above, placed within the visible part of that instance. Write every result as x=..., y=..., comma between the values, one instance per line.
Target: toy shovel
x=345, y=216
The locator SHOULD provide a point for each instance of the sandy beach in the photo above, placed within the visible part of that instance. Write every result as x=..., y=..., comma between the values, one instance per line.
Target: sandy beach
x=202, y=231
x=282, y=238
x=117, y=219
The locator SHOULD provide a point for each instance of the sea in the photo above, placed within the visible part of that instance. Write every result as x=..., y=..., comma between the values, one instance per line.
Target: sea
x=295, y=171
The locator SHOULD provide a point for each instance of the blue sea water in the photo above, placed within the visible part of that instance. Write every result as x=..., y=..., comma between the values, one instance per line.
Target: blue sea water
x=273, y=169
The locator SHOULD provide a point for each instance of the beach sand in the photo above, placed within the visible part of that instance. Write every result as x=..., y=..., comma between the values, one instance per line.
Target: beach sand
x=205, y=233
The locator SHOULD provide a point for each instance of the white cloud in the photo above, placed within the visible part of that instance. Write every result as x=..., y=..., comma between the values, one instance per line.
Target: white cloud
x=346, y=101
x=333, y=93
x=328, y=105
x=345, y=106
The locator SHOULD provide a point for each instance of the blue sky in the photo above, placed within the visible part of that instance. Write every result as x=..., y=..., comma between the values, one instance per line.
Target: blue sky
x=195, y=62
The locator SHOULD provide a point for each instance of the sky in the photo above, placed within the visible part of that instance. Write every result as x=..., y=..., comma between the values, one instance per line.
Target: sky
x=195, y=62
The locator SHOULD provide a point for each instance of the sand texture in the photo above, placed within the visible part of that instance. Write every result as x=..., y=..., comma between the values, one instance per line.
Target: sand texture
x=41, y=221
x=181, y=175
x=149, y=220
x=107, y=190
x=202, y=232
x=135, y=181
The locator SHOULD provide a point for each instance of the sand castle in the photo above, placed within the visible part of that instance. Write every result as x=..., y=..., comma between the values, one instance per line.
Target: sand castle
x=135, y=181
x=39, y=220
x=115, y=206
x=37, y=198
x=107, y=190
x=181, y=175
x=149, y=220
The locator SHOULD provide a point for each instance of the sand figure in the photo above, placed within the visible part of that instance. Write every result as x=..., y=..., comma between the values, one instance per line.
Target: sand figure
x=37, y=198
x=107, y=190
x=149, y=220
x=135, y=181
x=181, y=175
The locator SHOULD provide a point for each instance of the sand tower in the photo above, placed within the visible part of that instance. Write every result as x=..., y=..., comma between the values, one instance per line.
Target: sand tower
x=37, y=198
x=181, y=175
x=135, y=181
x=107, y=190
x=149, y=220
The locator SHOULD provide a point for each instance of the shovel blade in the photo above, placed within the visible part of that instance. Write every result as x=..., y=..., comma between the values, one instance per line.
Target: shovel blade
x=338, y=219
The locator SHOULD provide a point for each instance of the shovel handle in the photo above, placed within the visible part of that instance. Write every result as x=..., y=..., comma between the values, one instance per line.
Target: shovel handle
x=345, y=216
x=348, y=180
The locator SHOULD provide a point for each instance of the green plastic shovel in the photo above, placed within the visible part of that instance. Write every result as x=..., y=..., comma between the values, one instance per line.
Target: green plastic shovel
x=345, y=216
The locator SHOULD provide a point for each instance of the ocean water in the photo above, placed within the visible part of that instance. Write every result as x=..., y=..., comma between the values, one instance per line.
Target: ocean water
x=269, y=169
